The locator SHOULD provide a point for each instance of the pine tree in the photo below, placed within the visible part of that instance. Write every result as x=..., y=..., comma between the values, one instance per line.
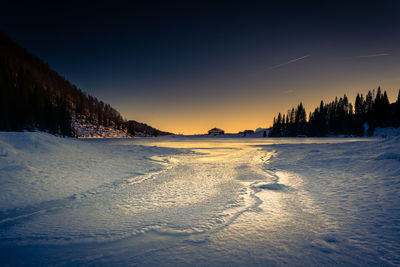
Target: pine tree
x=339, y=117
x=397, y=111
x=398, y=98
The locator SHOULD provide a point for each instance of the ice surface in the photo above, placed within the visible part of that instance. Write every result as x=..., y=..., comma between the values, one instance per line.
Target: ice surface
x=199, y=201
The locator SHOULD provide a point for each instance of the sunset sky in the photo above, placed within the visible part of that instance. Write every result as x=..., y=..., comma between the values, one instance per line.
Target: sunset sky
x=191, y=66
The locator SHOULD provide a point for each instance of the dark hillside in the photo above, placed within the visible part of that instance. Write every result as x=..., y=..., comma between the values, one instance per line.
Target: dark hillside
x=33, y=96
x=135, y=127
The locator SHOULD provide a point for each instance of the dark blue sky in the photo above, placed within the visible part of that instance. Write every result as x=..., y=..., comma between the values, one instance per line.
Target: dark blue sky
x=189, y=66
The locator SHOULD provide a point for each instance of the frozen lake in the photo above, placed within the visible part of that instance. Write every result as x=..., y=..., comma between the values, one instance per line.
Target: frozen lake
x=201, y=201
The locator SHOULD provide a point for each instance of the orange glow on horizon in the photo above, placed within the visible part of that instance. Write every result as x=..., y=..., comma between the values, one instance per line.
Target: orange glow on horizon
x=246, y=102
x=247, y=113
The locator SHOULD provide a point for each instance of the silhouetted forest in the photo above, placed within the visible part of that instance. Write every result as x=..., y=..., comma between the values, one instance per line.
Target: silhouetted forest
x=26, y=105
x=340, y=118
x=33, y=96
x=133, y=127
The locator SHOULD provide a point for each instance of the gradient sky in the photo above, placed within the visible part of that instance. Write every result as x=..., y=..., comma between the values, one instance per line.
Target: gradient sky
x=190, y=66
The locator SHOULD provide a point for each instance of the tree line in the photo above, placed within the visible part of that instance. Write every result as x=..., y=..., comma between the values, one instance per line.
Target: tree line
x=339, y=117
x=24, y=106
x=134, y=127
x=33, y=96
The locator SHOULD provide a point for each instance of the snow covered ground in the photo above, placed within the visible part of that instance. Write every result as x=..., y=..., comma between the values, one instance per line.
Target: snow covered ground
x=199, y=201
x=85, y=129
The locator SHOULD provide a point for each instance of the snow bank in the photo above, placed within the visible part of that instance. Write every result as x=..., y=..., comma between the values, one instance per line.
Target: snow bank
x=37, y=167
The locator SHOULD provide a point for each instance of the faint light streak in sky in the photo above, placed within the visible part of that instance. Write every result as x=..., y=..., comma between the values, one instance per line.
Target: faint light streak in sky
x=288, y=62
x=277, y=66
x=375, y=55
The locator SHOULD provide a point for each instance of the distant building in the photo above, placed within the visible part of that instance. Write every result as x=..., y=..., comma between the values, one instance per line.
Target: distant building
x=264, y=132
x=215, y=131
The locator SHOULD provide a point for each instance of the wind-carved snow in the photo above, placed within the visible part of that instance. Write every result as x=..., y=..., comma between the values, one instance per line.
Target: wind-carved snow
x=199, y=201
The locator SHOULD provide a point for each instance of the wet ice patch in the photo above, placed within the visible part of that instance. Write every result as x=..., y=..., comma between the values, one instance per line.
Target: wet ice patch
x=274, y=187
